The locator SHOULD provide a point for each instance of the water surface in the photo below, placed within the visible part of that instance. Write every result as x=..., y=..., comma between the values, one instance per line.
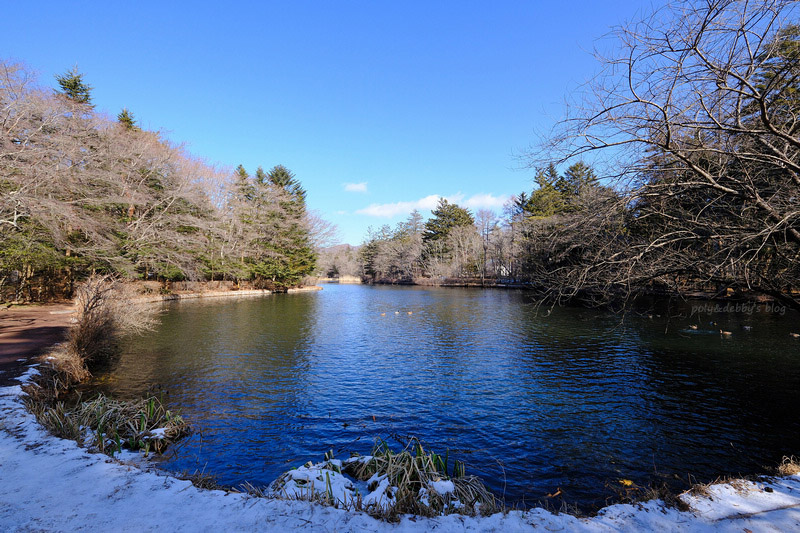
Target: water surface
x=575, y=399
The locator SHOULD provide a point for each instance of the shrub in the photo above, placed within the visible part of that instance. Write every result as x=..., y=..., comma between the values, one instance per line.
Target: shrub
x=106, y=309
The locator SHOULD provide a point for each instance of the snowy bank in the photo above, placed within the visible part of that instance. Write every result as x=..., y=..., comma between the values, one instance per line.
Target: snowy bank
x=51, y=484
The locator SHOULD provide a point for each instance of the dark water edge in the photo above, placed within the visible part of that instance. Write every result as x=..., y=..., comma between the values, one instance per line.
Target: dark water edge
x=533, y=401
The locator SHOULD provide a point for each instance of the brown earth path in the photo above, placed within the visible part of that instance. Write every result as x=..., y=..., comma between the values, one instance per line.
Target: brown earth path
x=27, y=331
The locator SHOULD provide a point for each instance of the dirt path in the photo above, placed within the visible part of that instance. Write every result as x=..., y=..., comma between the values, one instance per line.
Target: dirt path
x=27, y=331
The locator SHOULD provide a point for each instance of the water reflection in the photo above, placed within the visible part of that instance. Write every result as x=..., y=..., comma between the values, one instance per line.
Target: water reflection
x=532, y=401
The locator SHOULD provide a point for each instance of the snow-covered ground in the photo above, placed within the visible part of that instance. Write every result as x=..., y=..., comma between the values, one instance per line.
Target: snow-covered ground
x=50, y=484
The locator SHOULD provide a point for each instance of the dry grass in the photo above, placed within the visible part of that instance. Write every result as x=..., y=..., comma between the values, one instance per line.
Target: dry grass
x=790, y=466
x=411, y=481
x=106, y=309
x=412, y=473
x=203, y=480
x=110, y=425
x=626, y=491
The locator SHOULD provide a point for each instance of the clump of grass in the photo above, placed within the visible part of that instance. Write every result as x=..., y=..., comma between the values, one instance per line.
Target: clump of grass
x=411, y=481
x=790, y=466
x=105, y=310
x=626, y=491
x=203, y=480
x=110, y=425
x=414, y=474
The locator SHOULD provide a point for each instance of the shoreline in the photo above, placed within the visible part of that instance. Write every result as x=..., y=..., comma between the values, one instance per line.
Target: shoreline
x=58, y=486
x=118, y=490
x=29, y=330
x=235, y=293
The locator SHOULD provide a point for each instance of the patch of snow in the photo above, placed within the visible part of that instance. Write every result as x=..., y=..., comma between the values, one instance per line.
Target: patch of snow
x=358, y=459
x=157, y=434
x=443, y=487
x=423, y=497
x=382, y=495
x=29, y=374
x=311, y=481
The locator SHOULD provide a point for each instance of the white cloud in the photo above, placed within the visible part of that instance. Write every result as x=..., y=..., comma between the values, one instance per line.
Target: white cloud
x=399, y=208
x=356, y=187
x=485, y=201
x=477, y=201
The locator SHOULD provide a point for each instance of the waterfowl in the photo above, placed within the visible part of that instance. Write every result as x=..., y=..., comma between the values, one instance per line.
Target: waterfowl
x=410, y=312
x=795, y=335
x=383, y=314
x=692, y=326
x=397, y=312
x=725, y=333
x=747, y=328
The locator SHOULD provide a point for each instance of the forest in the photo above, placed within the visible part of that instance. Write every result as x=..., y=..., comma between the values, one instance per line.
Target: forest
x=83, y=193
x=676, y=171
x=683, y=175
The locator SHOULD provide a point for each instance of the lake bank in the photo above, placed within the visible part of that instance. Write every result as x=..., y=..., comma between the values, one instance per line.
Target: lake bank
x=57, y=486
x=512, y=524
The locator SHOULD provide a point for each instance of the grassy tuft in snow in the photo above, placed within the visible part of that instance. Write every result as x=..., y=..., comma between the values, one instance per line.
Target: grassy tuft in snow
x=387, y=484
x=110, y=425
x=790, y=466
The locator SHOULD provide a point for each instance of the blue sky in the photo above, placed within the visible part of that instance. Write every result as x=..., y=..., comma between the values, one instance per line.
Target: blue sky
x=377, y=107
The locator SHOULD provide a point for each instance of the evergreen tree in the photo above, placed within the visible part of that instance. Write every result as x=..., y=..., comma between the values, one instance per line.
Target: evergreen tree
x=413, y=225
x=261, y=176
x=778, y=79
x=125, y=118
x=557, y=194
x=291, y=256
x=74, y=88
x=282, y=177
x=245, y=191
x=576, y=180
x=547, y=200
x=446, y=216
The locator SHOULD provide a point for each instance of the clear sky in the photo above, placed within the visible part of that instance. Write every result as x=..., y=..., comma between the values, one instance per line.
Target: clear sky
x=377, y=107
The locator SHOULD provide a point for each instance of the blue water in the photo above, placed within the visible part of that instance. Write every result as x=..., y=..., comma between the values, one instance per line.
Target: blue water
x=532, y=401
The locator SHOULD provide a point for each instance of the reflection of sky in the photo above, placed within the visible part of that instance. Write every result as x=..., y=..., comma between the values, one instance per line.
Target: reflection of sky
x=531, y=401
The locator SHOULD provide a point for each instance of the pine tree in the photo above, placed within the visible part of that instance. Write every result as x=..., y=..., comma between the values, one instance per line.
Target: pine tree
x=74, y=88
x=284, y=178
x=446, y=216
x=244, y=186
x=291, y=255
x=125, y=118
x=261, y=176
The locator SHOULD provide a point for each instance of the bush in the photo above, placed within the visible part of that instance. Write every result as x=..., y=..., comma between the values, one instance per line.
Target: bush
x=106, y=311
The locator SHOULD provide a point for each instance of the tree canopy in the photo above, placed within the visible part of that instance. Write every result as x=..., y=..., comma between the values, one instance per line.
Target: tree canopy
x=80, y=193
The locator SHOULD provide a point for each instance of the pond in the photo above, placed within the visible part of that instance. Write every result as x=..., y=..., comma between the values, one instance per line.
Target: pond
x=531, y=400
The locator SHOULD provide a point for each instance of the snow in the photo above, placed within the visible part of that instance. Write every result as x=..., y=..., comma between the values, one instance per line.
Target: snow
x=51, y=484
x=443, y=487
x=381, y=496
x=157, y=434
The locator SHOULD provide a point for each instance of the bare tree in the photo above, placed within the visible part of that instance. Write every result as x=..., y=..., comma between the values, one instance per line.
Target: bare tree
x=81, y=193
x=697, y=115
x=322, y=232
x=488, y=225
